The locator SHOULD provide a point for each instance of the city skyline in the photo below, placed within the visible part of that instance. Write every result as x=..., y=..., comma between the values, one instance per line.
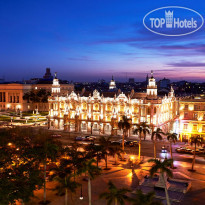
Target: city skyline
x=94, y=40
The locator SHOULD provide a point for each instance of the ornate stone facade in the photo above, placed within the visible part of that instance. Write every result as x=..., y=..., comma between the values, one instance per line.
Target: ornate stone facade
x=101, y=112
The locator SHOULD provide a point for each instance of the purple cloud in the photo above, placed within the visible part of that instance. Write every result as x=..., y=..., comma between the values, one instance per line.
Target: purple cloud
x=186, y=64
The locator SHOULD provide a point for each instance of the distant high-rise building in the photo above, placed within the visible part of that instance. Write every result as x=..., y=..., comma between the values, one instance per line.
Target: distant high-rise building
x=131, y=80
x=147, y=79
x=48, y=74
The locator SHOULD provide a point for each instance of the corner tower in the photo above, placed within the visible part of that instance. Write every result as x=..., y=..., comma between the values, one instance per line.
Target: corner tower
x=152, y=87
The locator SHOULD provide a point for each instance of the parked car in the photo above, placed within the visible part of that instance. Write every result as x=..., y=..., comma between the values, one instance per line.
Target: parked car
x=56, y=136
x=79, y=138
x=202, y=150
x=89, y=138
x=132, y=143
x=115, y=143
x=181, y=150
x=197, y=152
x=93, y=137
x=188, y=151
x=120, y=141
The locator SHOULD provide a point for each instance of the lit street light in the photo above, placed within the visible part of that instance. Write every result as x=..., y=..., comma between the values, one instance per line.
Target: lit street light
x=81, y=193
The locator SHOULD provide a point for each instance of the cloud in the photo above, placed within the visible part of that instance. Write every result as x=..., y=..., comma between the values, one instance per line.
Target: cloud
x=186, y=64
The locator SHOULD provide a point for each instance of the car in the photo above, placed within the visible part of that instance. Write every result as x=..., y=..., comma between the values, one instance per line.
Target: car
x=88, y=138
x=128, y=142
x=79, y=138
x=92, y=138
x=132, y=143
x=188, y=151
x=120, y=141
x=164, y=149
x=56, y=136
x=201, y=150
x=115, y=143
x=180, y=150
x=197, y=152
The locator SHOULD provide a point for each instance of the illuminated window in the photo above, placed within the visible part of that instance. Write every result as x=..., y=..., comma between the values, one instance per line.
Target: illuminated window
x=195, y=116
x=196, y=107
x=185, y=126
x=195, y=127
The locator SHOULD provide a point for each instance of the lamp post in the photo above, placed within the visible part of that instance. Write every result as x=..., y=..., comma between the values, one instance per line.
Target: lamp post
x=27, y=118
x=11, y=119
x=132, y=161
x=81, y=193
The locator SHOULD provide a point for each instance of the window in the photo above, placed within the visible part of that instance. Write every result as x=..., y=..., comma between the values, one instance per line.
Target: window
x=17, y=99
x=195, y=116
x=10, y=99
x=186, y=107
x=195, y=107
x=185, y=126
x=186, y=115
x=148, y=111
x=203, y=128
x=195, y=127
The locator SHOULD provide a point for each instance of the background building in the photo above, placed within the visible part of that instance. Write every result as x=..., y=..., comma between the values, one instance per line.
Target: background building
x=29, y=97
x=192, y=117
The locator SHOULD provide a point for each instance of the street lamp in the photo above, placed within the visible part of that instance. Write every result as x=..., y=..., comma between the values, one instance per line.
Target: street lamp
x=11, y=119
x=132, y=160
x=81, y=193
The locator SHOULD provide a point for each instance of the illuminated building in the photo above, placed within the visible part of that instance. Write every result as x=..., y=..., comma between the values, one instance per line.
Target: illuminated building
x=11, y=95
x=112, y=84
x=101, y=112
x=192, y=117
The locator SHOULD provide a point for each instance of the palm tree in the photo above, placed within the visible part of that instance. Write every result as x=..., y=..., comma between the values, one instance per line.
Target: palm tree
x=75, y=159
x=164, y=168
x=196, y=141
x=44, y=149
x=66, y=184
x=115, y=195
x=105, y=144
x=91, y=171
x=116, y=152
x=141, y=128
x=94, y=151
x=156, y=135
x=124, y=125
x=144, y=199
x=172, y=138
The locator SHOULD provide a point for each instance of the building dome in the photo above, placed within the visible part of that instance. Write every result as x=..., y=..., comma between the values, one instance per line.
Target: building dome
x=112, y=84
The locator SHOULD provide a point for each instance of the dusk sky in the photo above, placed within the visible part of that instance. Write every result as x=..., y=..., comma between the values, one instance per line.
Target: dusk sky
x=87, y=40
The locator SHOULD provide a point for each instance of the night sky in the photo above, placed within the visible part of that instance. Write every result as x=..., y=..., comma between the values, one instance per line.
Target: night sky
x=87, y=40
